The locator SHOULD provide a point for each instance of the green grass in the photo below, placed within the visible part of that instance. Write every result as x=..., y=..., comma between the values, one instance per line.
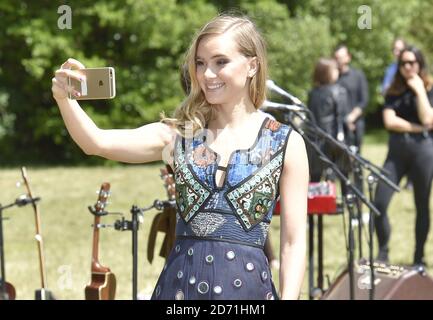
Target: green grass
x=66, y=227
x=66, y=193
x=376, y=136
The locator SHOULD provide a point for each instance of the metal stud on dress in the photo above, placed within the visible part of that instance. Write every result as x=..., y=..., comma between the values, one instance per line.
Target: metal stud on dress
x=230, y=255
x=192, y=280
x=217, y=290
x=209, y=259
x=249, y=266
x=203, y=287
x=179, y=295
x=237, y=283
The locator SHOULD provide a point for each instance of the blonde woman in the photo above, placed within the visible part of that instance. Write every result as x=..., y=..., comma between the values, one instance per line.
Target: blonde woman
x=230, y=161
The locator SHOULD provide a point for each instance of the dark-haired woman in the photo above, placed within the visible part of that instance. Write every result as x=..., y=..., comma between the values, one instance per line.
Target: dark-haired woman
x=408, y=116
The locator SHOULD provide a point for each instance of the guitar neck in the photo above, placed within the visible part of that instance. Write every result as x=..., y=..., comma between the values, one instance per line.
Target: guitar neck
x=95, y=246
x=98, y=210
x=38, y=235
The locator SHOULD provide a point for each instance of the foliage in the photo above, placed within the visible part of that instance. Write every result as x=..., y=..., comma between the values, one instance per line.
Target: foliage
x=145, y=41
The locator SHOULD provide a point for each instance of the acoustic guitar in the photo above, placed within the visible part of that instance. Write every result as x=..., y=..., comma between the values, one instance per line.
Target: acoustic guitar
x=103, y=282
x=43, y=293
x=7, y=290
x=164, y=221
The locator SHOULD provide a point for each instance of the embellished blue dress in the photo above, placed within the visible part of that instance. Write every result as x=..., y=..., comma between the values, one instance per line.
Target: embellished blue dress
x=220, y=232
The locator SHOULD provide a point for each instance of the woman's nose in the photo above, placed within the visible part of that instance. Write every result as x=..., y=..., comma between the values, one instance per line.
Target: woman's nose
x=209, y=73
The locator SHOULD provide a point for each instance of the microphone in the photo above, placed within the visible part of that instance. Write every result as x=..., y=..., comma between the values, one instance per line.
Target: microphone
x=25, y=200
x=273, y=87
x=282, y=106
x=269, y=106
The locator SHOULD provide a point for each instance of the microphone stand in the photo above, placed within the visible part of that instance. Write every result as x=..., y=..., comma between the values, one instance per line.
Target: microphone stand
x=133, y=225
x=371, y=180
x=366, y=164
x=349, y=202
x=375, y=174
x=318, y=132
x=350, y=199
x=311, y=123
x=354, y=191
x=358, y=180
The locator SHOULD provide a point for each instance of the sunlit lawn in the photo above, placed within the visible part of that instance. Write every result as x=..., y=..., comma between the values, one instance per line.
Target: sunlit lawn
x=66, y=193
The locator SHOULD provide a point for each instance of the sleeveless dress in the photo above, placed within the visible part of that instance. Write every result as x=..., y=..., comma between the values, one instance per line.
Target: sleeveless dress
x=220, y=231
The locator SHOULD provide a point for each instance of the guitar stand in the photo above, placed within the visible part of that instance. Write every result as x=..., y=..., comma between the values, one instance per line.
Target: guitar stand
x=132, y=225
x=19, y=202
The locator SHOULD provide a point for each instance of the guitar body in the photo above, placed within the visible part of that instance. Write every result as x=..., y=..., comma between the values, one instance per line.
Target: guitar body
x=7, y=290
x=9, y=293
x=164, y=221
x=101, y=287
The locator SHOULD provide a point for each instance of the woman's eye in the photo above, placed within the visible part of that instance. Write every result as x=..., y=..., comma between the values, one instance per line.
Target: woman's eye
x=199, y=63
x=222, y=62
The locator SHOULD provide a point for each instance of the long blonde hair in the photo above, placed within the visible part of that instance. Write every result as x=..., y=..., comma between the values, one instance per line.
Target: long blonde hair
x=195, y=112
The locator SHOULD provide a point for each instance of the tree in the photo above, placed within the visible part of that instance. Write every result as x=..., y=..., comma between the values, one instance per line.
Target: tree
x=145, y=41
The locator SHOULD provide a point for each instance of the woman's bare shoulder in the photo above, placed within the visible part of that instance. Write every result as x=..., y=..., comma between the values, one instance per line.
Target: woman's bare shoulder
x=165, y=131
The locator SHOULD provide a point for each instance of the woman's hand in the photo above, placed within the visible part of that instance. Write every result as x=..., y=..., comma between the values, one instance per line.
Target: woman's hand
x=60, y=87
x=416, y=84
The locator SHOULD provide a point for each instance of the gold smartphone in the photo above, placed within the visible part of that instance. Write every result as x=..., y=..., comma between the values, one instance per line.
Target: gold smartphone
x=100, y=83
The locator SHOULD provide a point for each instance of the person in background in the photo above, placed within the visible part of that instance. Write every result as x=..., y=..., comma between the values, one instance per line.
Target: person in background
x=398, y=45
x=329, y=103
x=355, y=82
x=408, y=116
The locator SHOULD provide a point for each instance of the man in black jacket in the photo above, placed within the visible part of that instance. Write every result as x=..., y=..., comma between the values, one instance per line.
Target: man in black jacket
x=356, y=85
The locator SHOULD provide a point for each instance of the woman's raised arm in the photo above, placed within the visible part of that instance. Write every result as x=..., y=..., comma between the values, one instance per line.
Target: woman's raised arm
x=140, y=145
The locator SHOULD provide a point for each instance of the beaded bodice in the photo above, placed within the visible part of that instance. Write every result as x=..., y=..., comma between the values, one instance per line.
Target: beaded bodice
x=241, y=209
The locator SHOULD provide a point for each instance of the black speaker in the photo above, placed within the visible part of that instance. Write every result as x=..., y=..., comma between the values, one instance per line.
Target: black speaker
x=392, y=282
